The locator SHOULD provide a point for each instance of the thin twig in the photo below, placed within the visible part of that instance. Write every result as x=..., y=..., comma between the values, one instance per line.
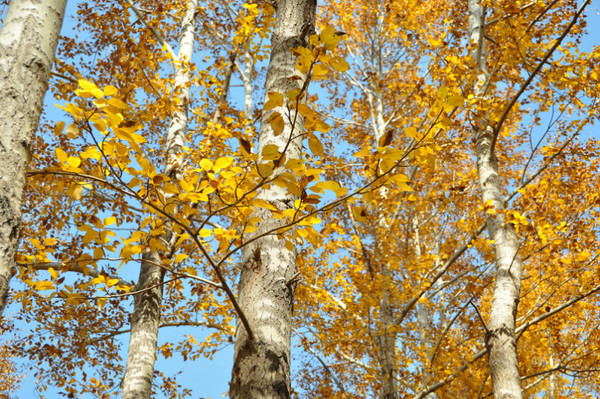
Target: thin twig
x=534, y=74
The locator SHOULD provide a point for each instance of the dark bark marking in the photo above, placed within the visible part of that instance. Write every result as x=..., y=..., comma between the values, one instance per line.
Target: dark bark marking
x=256, y=263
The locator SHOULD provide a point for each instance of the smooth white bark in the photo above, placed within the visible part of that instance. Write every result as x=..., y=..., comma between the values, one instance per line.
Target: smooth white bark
x=27, y=44
x=385, y=337
x=500, y=336
x=145, y=320
x=261, y=367
x=247, y=79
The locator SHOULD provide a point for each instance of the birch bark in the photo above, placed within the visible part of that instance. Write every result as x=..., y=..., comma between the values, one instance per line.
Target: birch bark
x=261, y=366
x=145, y=320
x=500, y=336
x=386, y=337
x=27, y=44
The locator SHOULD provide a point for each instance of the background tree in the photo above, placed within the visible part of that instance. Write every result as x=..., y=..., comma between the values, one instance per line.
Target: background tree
x=432, y=242
x=145, y=319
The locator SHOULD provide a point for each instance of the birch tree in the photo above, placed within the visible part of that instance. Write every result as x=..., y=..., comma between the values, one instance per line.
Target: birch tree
x=28, y=41
x=145, y=320
x=500, y=330
x=261, y=366
x=442, y=265
x=500, y=337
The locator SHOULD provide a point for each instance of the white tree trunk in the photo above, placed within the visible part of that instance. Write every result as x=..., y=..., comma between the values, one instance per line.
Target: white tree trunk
x=247, y=79
x=385, y=337
x=137, y=382
x=145, y=320
x=261, y=366
x=500, y=337
x=27, y=44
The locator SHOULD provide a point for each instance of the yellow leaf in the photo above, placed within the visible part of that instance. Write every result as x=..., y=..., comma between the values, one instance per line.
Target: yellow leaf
x=277, y=123
x=74, y=161
x=86, y=85
x=157, y=244
x=321, y=126
x=100, y=125
x=110, y=90
x=293, y=94
x=72, y=131
x=275, y=100
x=138, y=138
x=302, y=233
x=289, y=245
x=329, y=38
x=61, y=155
x=101, y=303
x=310, y=221
x=97, y=93
x=43, y=285
x=442, y=92
x=180, y=257
x=53, y=273
x=363, y=153
x=270, y=152
x=359, y=214
x=203, y=233
x=112, y=281
x=264, y=170
x=294, y=189
x=89, y=236
x=76, y=191
x=294, y=164
x=339, y=64
x=206, y=164
x=261, y=203
x=115, y=102
x=305, y=110
x=315, y=146
x=72, y=109
x=456, y=101
x=98, y=253
x=74, y=298
x=222, y=163
x=110, y=220
x=126, y=252
x=404, y=187
x=91, y=152
x=411, y=132
x=58, y=128
x=303, y=64
x=320, y=71
x=171, y=188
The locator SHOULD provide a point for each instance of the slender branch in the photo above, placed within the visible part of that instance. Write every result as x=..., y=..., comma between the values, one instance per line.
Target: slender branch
x=73, y=266
x=443, y=334
x=65, y=77
x=162, y=325
x=534, y=73
x=329, y=371
x=522, y=328
x=154, y=31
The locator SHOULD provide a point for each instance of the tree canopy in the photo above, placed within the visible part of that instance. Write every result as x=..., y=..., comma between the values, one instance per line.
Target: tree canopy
x=416, y=183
